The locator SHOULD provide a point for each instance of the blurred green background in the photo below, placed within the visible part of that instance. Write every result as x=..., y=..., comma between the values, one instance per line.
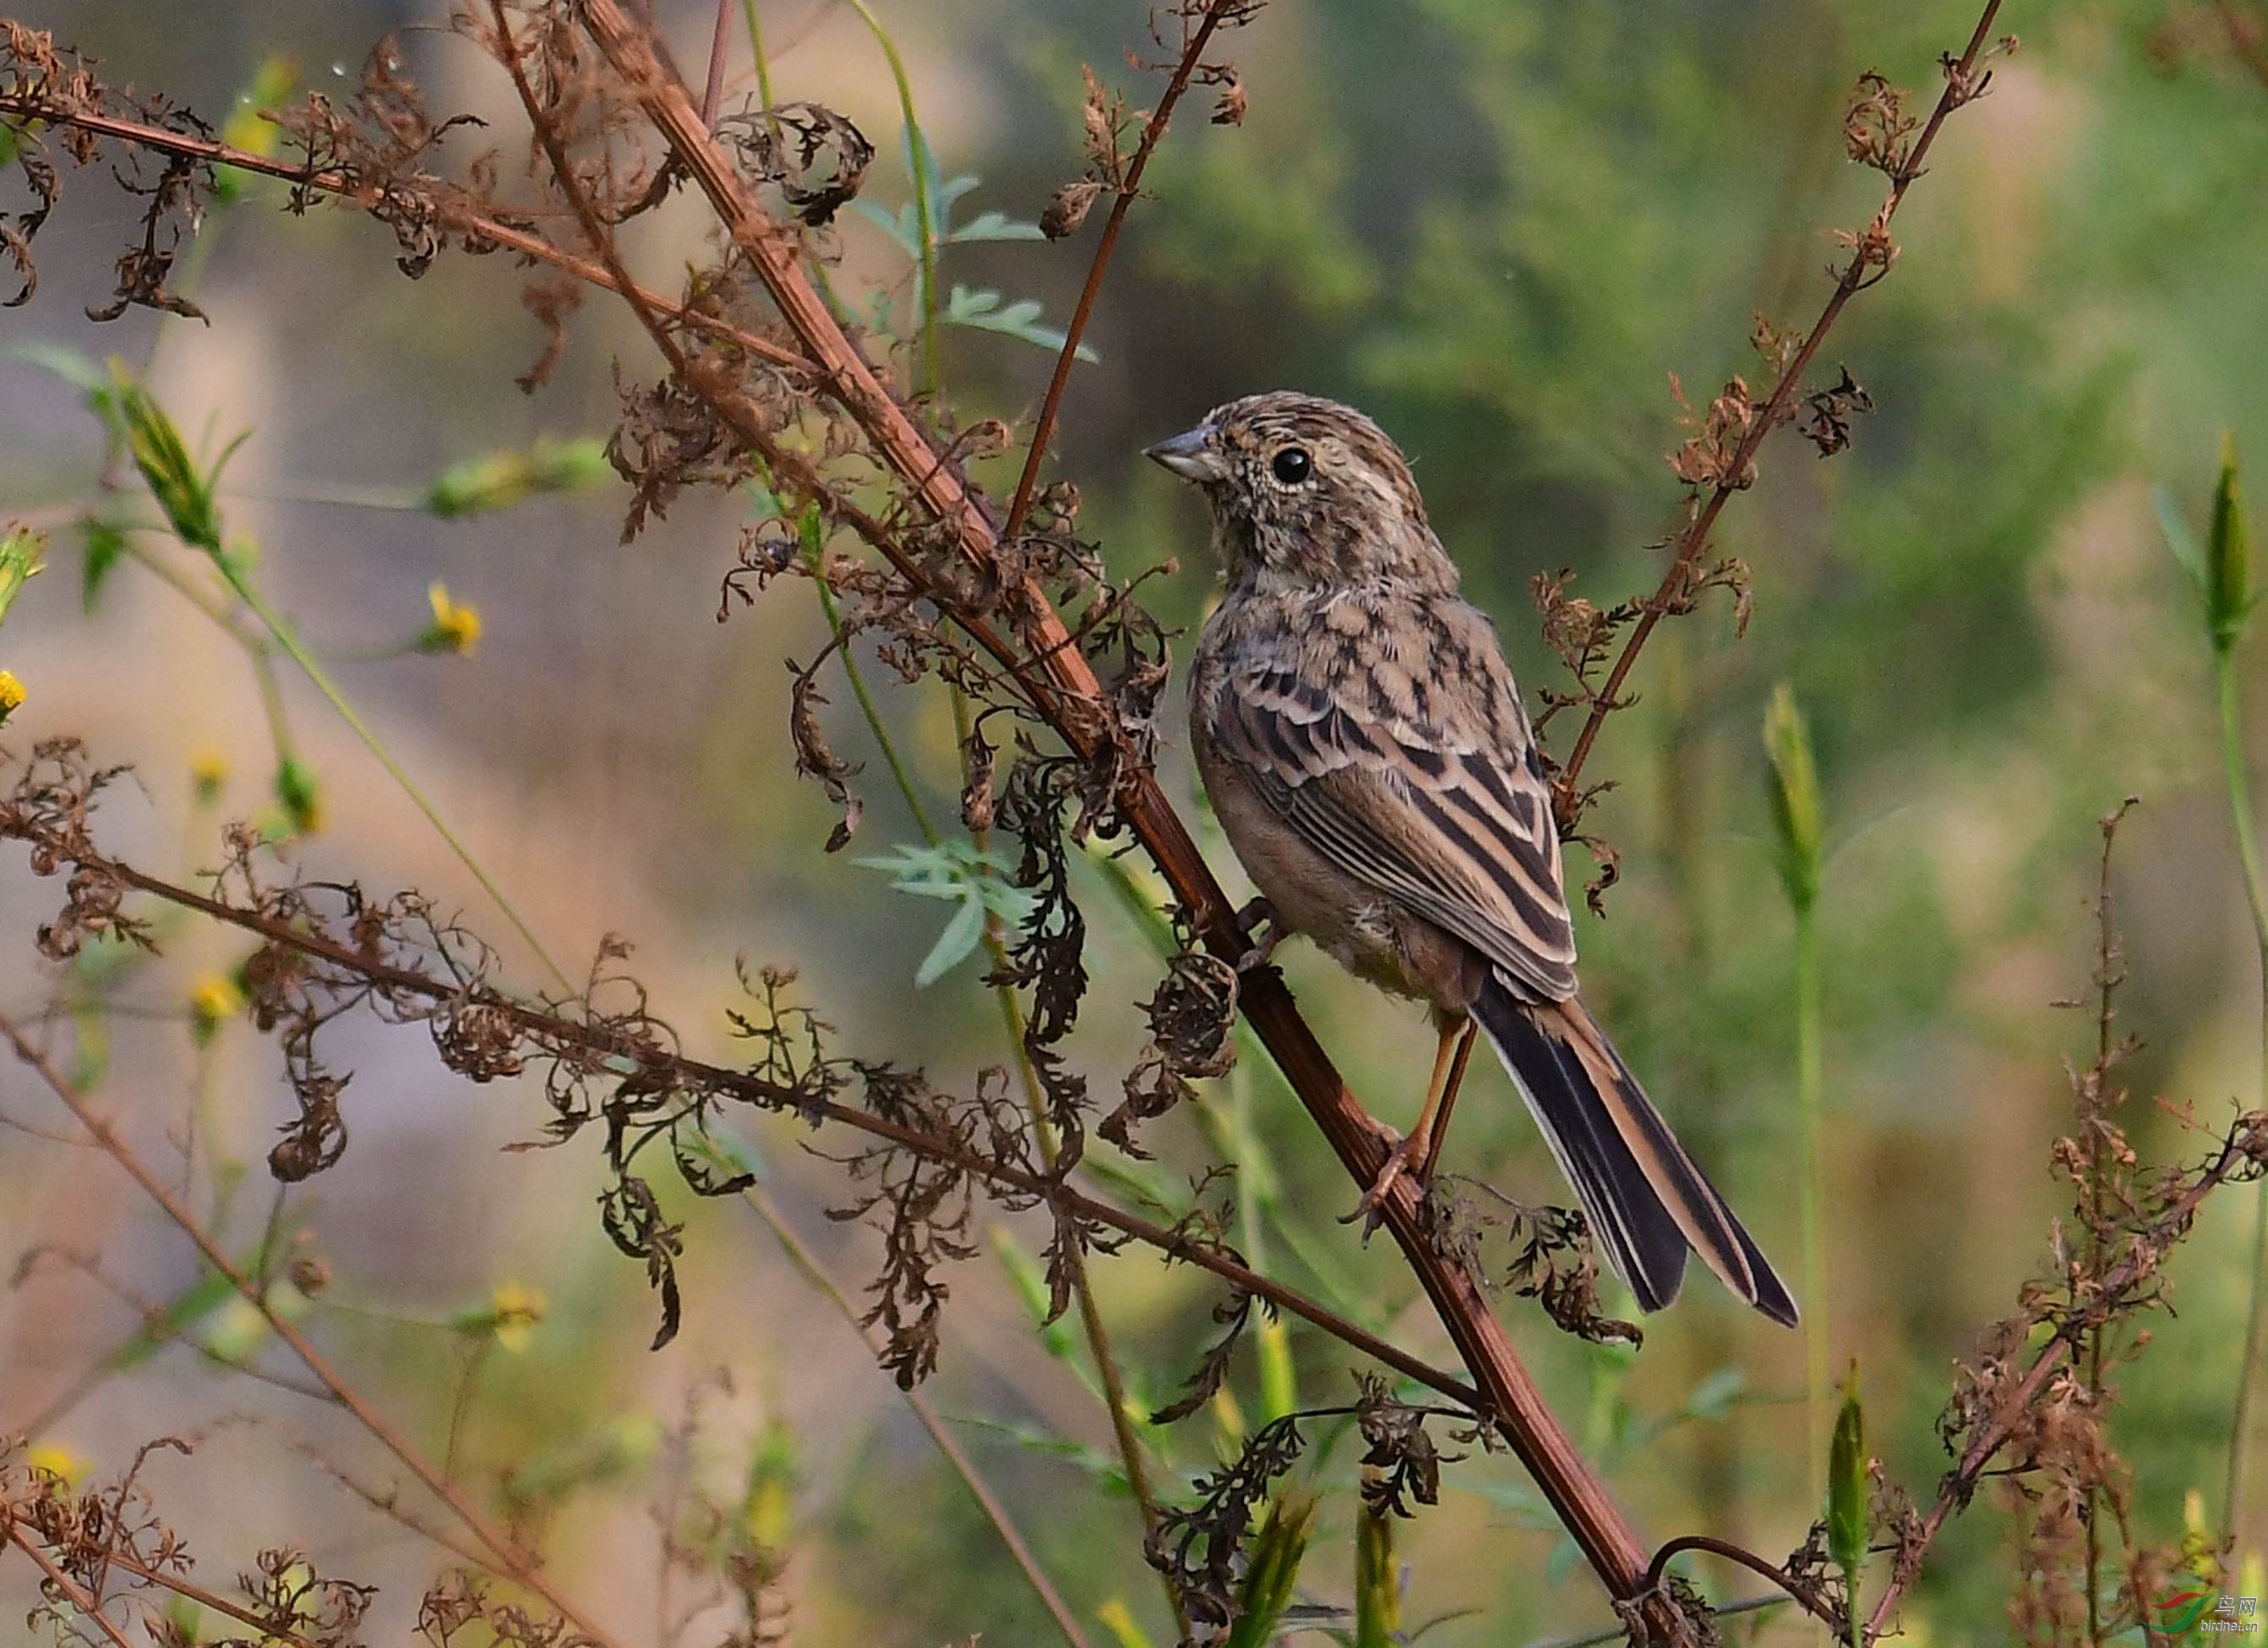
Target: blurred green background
x=1498, y=226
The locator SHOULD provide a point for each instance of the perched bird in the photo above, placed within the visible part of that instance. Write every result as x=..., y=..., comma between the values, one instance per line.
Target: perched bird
x=1366, y=750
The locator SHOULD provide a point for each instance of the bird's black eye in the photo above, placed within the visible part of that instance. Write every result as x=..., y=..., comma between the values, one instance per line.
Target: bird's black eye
x=1291, y=465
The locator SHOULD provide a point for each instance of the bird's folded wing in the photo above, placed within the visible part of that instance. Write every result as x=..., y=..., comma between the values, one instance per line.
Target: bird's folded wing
x=1450, y=821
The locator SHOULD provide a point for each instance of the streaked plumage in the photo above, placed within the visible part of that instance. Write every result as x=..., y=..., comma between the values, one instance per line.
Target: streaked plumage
x=1365, y=749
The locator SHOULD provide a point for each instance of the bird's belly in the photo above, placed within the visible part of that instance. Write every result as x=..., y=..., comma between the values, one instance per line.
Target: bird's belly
x=1345, y=918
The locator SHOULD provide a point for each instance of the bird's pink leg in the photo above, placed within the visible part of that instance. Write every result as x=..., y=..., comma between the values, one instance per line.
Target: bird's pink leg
x=1422, y=1145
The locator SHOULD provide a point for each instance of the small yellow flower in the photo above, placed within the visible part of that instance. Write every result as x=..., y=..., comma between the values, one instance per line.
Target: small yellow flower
x=52, y=1459
x=208, y=773
x=11, y=695
x=455, y=628
x=212, y=999
x=517, y=1308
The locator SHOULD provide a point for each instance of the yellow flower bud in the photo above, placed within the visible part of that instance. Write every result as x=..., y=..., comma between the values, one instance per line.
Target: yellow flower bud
x=455, y=627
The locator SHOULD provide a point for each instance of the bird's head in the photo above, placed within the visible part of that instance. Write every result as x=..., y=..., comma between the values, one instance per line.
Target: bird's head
x=1307, y=491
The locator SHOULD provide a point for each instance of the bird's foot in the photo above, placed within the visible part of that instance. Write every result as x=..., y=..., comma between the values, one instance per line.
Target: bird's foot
x=1258, y=918
x=1371, y=1210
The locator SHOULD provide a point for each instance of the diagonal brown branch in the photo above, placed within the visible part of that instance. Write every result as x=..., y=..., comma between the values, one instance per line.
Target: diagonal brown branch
x=1960, y=87
x=1073, y=697
x=72, y=1591
x=1152, y=130
x=594, y=231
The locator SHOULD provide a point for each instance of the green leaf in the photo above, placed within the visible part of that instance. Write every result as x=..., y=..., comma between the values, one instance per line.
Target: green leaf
x=1279, y=1379
x=984, y=310
x=1277, y=1549
x=78, y=370
x=300, y=795
x=104, y=542
x=955, y=870
x=994, y=226
x=20, y=549
x=175, y=1317
x=1713, y=1397
x=2228, y=593
x=2187, y=552
x=1846, y=1484
x=955, y=945
x=186, y=492
x=1030, y=1281
x=1119, y=1620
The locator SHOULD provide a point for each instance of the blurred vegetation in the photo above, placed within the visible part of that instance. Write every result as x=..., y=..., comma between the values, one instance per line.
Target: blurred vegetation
x=1499, y=226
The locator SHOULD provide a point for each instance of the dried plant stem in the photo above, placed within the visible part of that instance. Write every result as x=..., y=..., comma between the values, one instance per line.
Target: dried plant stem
x=72, y=1591
x=456, y=216
x=867, y=707
x=1090, y=1314
x=1011, y=1014
x=720, y=38
x=1857, y=276
x=519, y=1563
x=1154, y=130
x=807, y=1263
x=2245, y=1147
x=596, y=232
x=2256, y=892
x=1066, y=688
x=565, y=1033
x=270, y=1633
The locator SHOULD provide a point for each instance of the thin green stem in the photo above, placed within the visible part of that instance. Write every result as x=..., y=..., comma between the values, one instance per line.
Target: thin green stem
x=806, y=1263
x=919, y=147
x=206, y=600
x=1809, y=1085
x=2256, y=891
x=271, y=701
x=867, y=707
x=1090, y=1315
x=756, y=44
x=313, y=668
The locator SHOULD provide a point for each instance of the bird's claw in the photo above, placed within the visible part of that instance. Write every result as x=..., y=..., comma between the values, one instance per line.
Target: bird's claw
x=1254, y=917
x=1371, y=1210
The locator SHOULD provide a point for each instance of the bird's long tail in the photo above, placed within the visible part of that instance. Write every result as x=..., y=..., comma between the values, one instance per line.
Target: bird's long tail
x=1646, y=1203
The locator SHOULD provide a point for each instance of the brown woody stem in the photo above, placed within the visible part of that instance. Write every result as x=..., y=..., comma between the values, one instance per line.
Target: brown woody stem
x=1694, y=539
x=1043, y=429
x=1076, y=707
x=69, y=1588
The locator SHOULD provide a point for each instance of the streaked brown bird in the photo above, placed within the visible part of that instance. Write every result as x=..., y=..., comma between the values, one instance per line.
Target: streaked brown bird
x=1366, y=750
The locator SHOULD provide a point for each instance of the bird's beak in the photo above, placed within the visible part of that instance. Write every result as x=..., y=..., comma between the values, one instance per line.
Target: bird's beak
x=1190, y=456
